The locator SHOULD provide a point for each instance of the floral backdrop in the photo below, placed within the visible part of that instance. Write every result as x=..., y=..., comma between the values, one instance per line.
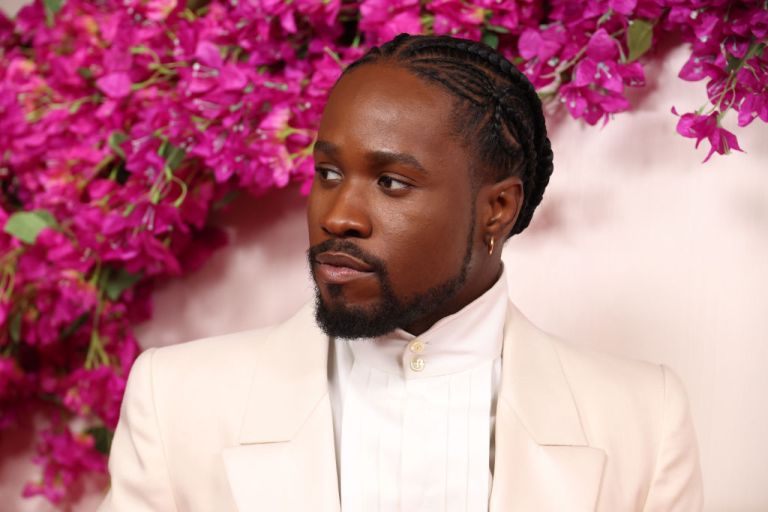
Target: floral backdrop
x=124, y=124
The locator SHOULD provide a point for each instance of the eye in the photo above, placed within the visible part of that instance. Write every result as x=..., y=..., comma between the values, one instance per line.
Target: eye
x=390, y=183
x=328, y=174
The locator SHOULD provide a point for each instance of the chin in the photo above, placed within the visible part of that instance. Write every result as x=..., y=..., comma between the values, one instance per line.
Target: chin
x=345, y=297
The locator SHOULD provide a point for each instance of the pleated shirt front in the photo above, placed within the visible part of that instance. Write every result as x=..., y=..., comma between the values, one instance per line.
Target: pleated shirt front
x=414, y=415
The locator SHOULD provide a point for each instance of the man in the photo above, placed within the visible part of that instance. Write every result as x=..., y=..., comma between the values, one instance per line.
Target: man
x=426, y=389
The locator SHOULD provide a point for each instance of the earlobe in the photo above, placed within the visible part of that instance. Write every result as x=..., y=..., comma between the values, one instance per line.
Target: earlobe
x=505, y=200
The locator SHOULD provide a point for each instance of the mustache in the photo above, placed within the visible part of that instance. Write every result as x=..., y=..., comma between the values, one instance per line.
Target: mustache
x=345, y=246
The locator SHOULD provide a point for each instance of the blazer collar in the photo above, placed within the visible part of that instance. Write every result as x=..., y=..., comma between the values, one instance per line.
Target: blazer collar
x=290, y=378
x=534, y=385
x=542, y=458
x=285, y=458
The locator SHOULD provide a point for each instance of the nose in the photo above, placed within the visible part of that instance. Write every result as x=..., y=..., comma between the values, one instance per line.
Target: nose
x=347, y=215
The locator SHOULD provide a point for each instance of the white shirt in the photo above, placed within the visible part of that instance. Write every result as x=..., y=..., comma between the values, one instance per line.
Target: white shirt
x=414, y=416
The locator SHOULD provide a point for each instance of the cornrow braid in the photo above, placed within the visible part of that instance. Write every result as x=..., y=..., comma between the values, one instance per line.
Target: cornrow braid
x=502, y=111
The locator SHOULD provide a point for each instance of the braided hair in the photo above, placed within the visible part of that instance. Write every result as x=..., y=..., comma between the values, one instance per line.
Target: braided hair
x=502, y=111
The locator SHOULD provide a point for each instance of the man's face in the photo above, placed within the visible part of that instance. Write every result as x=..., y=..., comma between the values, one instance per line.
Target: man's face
x=391, y=211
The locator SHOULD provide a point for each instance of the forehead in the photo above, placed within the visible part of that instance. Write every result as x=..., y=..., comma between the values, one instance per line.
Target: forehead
x=385, y=107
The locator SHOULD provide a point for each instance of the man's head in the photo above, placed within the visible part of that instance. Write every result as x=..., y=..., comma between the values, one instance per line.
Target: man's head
x=430, y=153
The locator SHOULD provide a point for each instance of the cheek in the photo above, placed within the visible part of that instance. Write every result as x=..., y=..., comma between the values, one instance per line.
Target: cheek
x=314, y=211
x=423, y=244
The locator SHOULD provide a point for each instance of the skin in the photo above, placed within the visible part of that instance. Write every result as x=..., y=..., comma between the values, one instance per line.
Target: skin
x=394, y=179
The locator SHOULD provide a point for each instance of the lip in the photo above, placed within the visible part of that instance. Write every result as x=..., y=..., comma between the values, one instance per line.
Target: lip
x=342, y=259
x=340, y=268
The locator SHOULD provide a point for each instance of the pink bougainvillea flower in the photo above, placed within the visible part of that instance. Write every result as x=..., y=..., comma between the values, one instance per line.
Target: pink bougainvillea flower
x=158, y=10
x=65, y=456
x=753, y=106
x=382, y=20
x=700, y=67
x=597, y=88
x=95, y=392
x=457, y=18
x=758, y=22
x=115, y=85
x=700, y=127
x=625, y=7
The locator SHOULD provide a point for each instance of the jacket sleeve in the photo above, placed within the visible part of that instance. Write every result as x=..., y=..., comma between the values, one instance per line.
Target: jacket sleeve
x=677, y=483
x=139, y=474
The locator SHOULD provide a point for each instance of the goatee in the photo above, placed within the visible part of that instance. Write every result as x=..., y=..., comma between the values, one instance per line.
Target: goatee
x=351, y=322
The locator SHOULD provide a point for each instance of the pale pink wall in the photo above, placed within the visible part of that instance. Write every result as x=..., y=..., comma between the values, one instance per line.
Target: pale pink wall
x=637, y=250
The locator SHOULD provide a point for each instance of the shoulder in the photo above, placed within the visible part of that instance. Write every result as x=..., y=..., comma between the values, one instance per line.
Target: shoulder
x=612, y=380
x=229, y=351
x=208, y=355
x=614, y=396
x=219, y=365
x=639, y=401
x=610, y=376
x=638, y=414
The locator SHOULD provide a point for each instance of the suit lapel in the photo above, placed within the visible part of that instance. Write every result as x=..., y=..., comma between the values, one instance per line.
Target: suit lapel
x=285, y=460
x=542, y=458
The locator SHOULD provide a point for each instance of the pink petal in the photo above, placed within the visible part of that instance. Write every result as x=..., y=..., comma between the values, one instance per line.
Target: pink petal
x=208, y=53
x=602, y=46
x=685, y=124
x=623, y=6
x=633, y=74
x=288, y=22
x=233, y=79
x=115, y=85
x=585, y=73
x=759, y=23
x=529, y=43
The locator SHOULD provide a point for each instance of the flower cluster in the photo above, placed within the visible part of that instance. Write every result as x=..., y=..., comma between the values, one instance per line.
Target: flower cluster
x=124, y=123
x=728, y=41
x=588, y=52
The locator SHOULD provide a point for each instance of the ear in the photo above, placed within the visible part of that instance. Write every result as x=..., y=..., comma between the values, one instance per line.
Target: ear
x=501, y=204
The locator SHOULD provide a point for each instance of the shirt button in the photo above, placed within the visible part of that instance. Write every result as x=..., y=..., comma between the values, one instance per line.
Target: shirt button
x=416, y=346
x=417, y=364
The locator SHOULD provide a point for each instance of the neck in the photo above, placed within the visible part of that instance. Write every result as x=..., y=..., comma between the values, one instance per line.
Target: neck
x=475, y=286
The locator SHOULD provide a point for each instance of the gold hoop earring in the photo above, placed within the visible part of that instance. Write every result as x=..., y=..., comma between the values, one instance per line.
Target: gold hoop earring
x=490, y=246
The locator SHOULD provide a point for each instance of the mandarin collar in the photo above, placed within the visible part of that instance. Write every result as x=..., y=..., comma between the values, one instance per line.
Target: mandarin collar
x=455, y=343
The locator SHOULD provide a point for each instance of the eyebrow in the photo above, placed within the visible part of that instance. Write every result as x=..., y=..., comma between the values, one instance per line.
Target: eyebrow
x=377, y=158
x=326, y=147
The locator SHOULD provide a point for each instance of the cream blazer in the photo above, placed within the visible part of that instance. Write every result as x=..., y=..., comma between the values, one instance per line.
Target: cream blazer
x=243, y=422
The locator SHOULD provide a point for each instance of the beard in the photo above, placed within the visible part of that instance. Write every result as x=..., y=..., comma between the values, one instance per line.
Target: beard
x=391, y=312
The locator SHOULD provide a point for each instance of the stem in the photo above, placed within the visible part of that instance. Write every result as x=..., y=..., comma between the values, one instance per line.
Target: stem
x=96, y=354
x=8, y=279
x=183, y=195
x=730, y=83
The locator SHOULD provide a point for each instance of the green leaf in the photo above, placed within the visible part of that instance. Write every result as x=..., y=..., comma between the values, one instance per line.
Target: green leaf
x=639, y=37
x=491, y=39
x=85, y=73
x=224, y=201
x=497, y=28
x=51, y=8
x=172, y=155
x=102, y=438
x=27, y=225
x=139, y=49
x=14, y=327
x=115, y=139
x=119, y=282
x=176, y=157
x=74, y=326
